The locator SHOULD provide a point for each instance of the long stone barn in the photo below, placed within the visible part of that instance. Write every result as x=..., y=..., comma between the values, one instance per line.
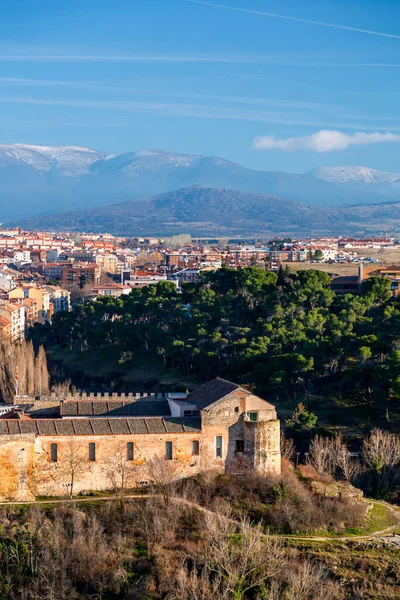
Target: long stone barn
x=88, y=442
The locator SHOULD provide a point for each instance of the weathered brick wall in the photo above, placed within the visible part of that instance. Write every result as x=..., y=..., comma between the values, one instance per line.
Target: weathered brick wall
x=87, y=396
x=262, y=444
x=17, y=467
x=227, y=419
x=26, y=469
x=52, y=478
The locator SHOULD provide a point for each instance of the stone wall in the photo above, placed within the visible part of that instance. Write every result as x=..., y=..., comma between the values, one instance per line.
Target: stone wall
x=17, y=467
x=26, y=468
x=227, y=419
x=53, y=478
x=54, y=398
x=262, y=444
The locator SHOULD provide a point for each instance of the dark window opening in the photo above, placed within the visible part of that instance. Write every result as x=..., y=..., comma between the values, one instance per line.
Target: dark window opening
x=236, y=409
x=168, y=450
x=53, y=452
x=218, y=446
x=239, y=446
x=191, y=413
x=253, y=416
x=195, y=448
x=129, y=451
x=92, y=451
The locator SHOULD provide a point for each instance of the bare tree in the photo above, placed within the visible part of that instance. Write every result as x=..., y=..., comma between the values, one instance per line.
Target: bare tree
x=41, y=374
x=236, y=559
x=163, y=474
x=381, y=453
x=307, y=580
x=72, y=464
x=348, y=466
x=288, y=448
x=322, y=455
x=120, y=470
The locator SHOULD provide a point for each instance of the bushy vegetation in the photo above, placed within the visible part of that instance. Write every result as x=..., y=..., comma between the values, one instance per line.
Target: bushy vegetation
x=170, y=549
x=285, y=504
x=212, y=537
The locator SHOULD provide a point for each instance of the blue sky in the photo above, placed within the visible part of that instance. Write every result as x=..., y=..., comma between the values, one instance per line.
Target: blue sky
x=195, y=78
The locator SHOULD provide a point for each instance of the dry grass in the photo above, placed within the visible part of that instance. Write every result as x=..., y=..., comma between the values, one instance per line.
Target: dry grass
x=385, y=256
x=335, y=268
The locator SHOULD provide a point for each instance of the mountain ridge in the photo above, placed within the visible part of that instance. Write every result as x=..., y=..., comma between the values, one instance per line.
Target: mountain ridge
x=37, y=180
x=204, y=211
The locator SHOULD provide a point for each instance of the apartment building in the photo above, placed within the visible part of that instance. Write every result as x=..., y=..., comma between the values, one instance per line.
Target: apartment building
x=80, y=274
x=60, y=299
x=5, y=328
x=108, y=263
x=54, y=270
x=15, y=314
x=41, y=296
x=113, y=290
x=22, y=256
x=31, y=311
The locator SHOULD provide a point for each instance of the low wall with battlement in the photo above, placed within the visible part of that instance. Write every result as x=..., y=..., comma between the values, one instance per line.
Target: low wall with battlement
x=55, y=399
x=130, y=397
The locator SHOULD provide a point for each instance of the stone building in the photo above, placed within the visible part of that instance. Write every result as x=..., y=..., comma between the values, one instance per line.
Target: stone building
x=86, y=442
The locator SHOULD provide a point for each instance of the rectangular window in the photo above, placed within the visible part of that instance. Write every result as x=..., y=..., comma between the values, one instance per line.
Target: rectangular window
x=239, y=446
x=195, y=448
x=92, y=451
x=218, y=446
x=236, y=409
x=253, y=416
x=168, y=450
x=129, y=451
x=191, y=413
x=53, y=453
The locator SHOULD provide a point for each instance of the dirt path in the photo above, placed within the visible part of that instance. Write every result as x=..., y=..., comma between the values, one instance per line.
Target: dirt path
x=360, y=538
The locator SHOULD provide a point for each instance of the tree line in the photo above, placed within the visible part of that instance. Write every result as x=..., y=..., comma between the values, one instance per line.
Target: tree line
x=23, y=371
x=279, y=334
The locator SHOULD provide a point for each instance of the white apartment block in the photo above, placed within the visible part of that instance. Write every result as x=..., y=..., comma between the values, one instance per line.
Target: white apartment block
x=59, y=298
x=22, y=256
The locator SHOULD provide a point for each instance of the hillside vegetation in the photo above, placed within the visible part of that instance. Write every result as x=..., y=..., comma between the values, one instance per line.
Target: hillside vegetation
x=285, y=336
x=168, y=547
x=205, y=211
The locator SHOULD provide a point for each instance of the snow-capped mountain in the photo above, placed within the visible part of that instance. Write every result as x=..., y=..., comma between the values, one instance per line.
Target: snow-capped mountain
x=37, y=180
x=68, y=160
x=354, y=174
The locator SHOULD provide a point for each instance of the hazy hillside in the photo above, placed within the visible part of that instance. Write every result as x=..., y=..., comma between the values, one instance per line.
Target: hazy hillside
x=200, y=211
x=38, y=180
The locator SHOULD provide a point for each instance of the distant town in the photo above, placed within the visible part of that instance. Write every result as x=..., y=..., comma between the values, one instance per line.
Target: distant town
x=44, y=273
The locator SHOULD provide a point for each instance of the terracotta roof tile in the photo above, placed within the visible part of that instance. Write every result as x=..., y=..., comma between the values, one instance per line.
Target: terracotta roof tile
x=211, y=392
x=137, y=425
x=119, y=426
x=173, y=425
x=101, y=426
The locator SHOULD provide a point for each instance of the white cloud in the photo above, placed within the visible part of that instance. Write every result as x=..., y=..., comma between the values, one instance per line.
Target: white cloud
x=323, y=141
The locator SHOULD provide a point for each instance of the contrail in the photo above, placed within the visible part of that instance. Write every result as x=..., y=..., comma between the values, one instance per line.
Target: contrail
x=172, y=59
x=275, y=16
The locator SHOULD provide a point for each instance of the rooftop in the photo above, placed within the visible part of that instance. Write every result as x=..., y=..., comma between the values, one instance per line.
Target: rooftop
x=87, y=426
